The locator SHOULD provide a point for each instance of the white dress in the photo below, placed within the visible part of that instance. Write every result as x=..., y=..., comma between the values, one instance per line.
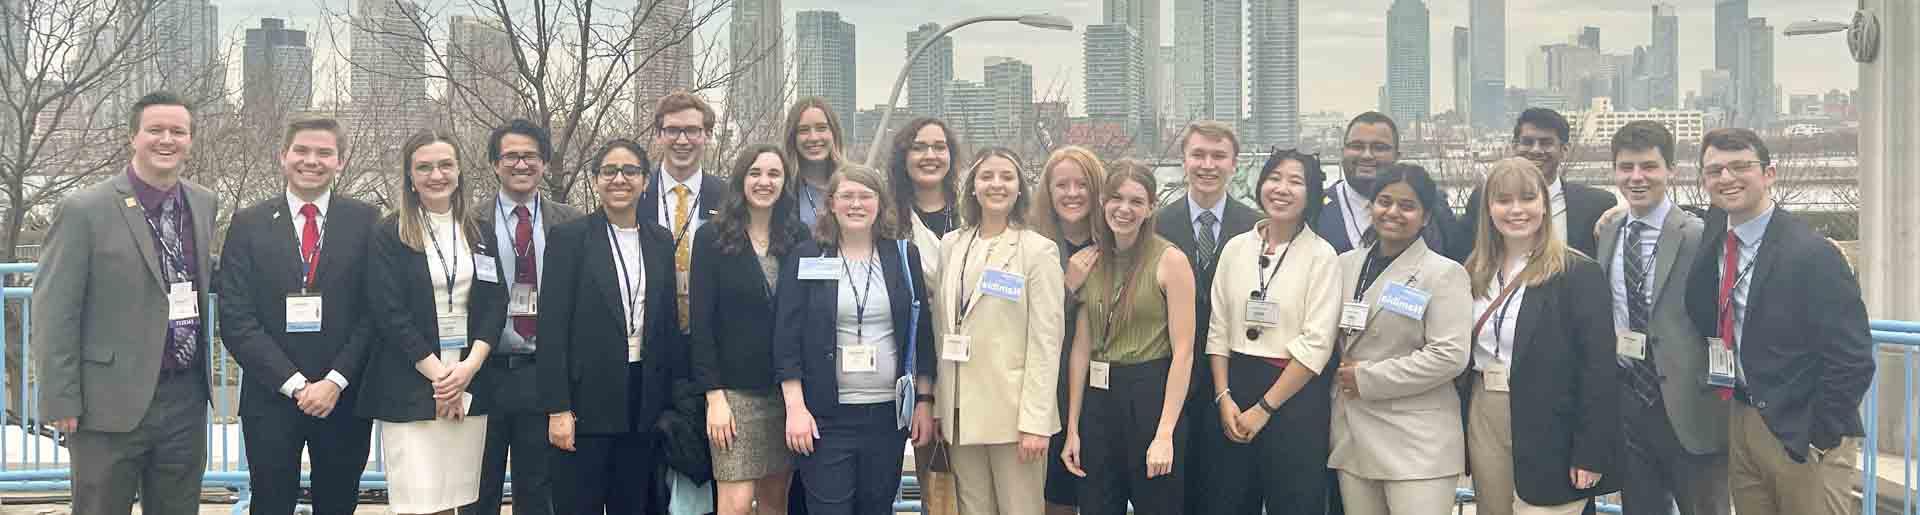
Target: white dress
x=434, y=465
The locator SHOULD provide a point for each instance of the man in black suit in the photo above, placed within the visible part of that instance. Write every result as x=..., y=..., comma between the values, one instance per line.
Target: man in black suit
x=519, y=218
x=679, y=198
x=1788, y=339
x=1541, y=135
x=1200, y=224
x=1346, y=222
x=291, y=314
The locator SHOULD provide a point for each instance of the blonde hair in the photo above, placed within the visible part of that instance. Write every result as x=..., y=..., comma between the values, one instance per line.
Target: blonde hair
x=885, y=224
x=1040, y=213
x=835, y=152
x=1548, y=257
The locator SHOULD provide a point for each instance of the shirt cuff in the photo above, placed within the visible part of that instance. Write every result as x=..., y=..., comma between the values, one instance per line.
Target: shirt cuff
x=338, y=380
x=293, y=384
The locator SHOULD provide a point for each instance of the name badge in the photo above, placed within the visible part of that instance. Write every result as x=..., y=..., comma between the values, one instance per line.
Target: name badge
x=956, y=348
x=1005, y=285
x=1405, y=301
x=1353, y=316
x=303, y=313
x=1720, y=359
x=1097, y=374
x=633, y=349
x=820, y=269
x=183, y=302
x=1632, y=345
x=453, y=337
x=523, y=300
x=485, y=269
x=859, y=358
x=1495, y=377
x=1262, y=312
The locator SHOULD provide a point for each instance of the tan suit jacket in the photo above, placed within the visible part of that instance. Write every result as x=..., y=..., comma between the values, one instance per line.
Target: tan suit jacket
x=1007, y=385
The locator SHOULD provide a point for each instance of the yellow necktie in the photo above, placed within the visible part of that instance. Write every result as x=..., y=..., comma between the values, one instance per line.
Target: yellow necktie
x=682, y=250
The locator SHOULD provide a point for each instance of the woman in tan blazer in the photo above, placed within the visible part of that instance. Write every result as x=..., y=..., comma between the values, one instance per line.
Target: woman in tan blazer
x=1398, y=443
x=1001, y=299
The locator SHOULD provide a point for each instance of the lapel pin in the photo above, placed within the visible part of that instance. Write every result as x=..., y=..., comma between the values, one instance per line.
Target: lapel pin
x=276, y=215
x=131, y=202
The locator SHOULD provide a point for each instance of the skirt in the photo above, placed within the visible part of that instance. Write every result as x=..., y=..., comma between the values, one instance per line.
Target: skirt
x=433, y=465
x=759, y=443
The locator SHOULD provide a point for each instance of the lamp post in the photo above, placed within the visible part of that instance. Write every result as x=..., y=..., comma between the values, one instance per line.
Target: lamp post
x=1044, y=21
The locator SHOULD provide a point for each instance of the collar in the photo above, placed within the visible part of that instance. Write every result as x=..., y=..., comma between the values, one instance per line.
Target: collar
x=294, y=202
x=509, y=204
x=1555, y=190
x=1353, y=195
x=1656, y=218
x=1219, y=210
x=149, y=196
x=1753, y=230
x=667, y=182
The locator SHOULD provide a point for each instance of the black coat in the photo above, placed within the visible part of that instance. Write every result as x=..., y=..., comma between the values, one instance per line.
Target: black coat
x=732, y=306
x=401, y=297
x=1565, y=399
x=805, y=347
x=1175, y=223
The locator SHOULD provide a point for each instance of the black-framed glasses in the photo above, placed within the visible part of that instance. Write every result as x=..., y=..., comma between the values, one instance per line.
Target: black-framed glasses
x=522, y=158
x=628, y=171
x=691, y=133
x=1737, y=167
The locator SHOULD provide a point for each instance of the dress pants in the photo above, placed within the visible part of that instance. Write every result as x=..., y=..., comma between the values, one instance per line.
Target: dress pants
x=1660, y=473
x=610, y=474
x=1283, y=469
x=516, y=426
x=855, y=466
x=1490, y=454
x=1362, y=496
x=1116, y=427
x=1766, y=481
x=337, y=445
x=162, y=458
x=993, y=481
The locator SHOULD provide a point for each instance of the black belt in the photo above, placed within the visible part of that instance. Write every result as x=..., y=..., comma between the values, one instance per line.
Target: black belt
x=512, y=361
x=1745, y=396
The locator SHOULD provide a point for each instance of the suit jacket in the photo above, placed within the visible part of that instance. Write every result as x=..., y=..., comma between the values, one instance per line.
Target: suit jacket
x=260, y=265
x=1565, y=398
x=1406, y=422
x=552, y=214
x=729, y=287
x=1007, y=385
x=713, y=194
x=403, y=302
x=100, y=304
x=1584, y=206
x=805, y=348
x=1807, y=356
x=583, y=350
x=1175, y=223
x=1698, y=416
x=1444, y=234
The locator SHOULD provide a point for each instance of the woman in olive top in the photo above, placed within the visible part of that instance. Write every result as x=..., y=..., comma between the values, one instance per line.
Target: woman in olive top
x=1542, y=424
x=738, y=266
x=815, y=148
x=1403, y=323
x=1131, y=359
x=1000, y=354
x=1064, y=210
x=1276, y=298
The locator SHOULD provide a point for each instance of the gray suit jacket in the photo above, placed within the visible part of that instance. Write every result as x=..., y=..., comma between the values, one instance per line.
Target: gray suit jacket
x=552, y=214
x=100, y=304
x=1679, y=352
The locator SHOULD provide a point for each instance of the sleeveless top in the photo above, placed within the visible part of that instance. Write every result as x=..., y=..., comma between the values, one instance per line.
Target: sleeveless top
x=1138, y=335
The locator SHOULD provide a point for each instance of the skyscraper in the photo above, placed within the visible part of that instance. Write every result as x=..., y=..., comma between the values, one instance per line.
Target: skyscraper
x=278, y=66
x=1274, y=58
x=1168, y=105
x=1144, y=17
x=177, y=48
x=1589, y=37
x=480, y=64
x=1211, y=72
x=665, y=34
x=823, y=61
x=1012, y=83
x=970, y=112
x=1759, y=102
x=388, y=80
x=1115, y=77
x=927, y=82
x=1462, y=71
x=1663, y=59
x=1729, y=31
x=1409, y=62
x=755, y=98
x=1488, y=20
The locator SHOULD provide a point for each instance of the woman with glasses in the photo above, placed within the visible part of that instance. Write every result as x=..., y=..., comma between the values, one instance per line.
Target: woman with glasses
x=1397, y=443
x=1064, y=210
x=736, y=271
x=1131, y=358
x=1276, y=297
x=855, y=356
x=815, y=147
x=610, y=347
x=921, y=175
x=433, y=280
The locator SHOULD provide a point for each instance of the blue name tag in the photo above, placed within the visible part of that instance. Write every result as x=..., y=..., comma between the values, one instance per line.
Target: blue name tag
x=1004, y=285
x=1405, y=301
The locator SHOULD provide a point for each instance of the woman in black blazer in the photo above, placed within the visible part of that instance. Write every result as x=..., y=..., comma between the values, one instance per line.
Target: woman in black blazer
x=846, y=346
x=737, y=266
x=438, y=305
x=1542, y=426
x=610, y=346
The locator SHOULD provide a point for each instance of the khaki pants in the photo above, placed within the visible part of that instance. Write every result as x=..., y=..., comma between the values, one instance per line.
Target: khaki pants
x=1765, y=481
x=1490, y=449
x=1363, y=496
x=993, y=481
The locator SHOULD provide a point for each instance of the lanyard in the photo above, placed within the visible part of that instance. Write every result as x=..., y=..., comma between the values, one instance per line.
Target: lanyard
x=1726, y=304
x=1264, y=281
x=1361, y=285
x=533, y=219
x=860, y=298
x=1621, y=235
x=172, y=248
x=310, y=262
x=964, y=300
x=632, y=290
x=452, y=267
x=1113, y=305
x=693, y=211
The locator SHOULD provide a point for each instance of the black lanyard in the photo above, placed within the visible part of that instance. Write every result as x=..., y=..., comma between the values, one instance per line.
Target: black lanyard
x=965, y=298
x=1726, y=304
x=860, y=298
x=1621, y=235
x=1264, y=281
x=633, y=290
x=533, y=219
x=1346, y=205
x=693, y=211
x=1121, y=289
x=1364, y=282
x=452, y=267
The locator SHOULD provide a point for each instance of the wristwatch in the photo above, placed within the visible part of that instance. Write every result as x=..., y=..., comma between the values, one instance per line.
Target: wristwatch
x=1269, y=407
x=923, y=397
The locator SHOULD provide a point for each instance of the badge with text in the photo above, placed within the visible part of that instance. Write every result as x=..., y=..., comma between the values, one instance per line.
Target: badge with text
x=1353, y=316
x=1005, y=285
x=1632, y=345
x=303, y=313
x=1405, y=301
x=485, y=269
x=523, y=300
x=859, y=358
x=182, y=302
x=633, y=349
x=956, y=348
x=1263, y=313
x=1097, y=372
x=820, y=269
x=1495, y=377
x=453, y=337
x=1720, y=359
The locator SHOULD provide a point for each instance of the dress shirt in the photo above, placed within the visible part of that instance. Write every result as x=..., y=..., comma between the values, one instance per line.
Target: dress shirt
x=667, y=202
x=504, y=221
x=1649, y=240
x=1750, y=234
x=1557, y=204
x=1356, y=210
x=295, y=383
x=633, y=283
x=1494, y=343
x=1219, y=210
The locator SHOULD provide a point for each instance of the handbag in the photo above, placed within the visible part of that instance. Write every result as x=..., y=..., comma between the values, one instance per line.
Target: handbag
x=903, y=388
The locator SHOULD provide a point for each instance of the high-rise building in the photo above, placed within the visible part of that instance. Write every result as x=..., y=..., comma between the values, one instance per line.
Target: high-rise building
x=177, y=48
x=278, y=66
x=1462, y=71
x=823, y=61
x=1589, y=37
x=480, y=63
x=755, y=100
x=1273, y=49
x=666, y=35
x=1116, y=73
x=1729, y=32
x=1489, y=33
x=1168, y=105
x=927, y=82
x=1759, y=98
x=970, y=112
x=388, y=80
x=1210, y=66
x=1144, y=17
x=1012, y=85
x=1663, y=59
x=1409, y=62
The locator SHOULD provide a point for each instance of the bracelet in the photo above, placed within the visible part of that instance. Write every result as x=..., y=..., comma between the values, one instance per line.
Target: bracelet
x=923, y=397
x=1223, y=394
x=1268, y=407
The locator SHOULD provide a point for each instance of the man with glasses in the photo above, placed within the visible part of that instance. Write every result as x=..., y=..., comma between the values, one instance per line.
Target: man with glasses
x=520, y=217
x=677, y=199
x=1541, y=136
x=1787, y=339
x=1372, y=143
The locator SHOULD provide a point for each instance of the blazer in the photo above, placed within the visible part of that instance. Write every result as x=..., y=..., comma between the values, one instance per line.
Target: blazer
x=401, y=297
x=582, y=355
x=1585, y=204
x=1007, y=385
x=260, y=265
x=1565, y=395
x=805, y=348
x=100, y=304
x=1696, y=413
x=729, y=288
x=1175, y=223
x=1406, y=423
x=1446, y=234
x=1807, y=356
x=552, y=214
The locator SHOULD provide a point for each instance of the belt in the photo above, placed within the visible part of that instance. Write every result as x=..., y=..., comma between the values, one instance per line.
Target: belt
x=1745, y=396
x=512, y=361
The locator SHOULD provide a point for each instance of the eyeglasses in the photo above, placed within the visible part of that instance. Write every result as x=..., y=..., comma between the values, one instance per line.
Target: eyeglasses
x=691, y=133
x=522, y=158
x=861, y=197
x=1361, y=147
x=1541, y=144
x=1738, y=168
x=629, y=171
x=443, y=166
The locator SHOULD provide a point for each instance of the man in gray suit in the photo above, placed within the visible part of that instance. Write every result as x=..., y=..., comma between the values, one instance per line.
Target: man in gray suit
x=1675, y=427
x=119, y=318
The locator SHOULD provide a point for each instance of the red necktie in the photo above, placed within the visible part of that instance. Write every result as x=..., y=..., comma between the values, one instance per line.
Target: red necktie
x=523, y=265
x=310, y=242
x=1730, y=263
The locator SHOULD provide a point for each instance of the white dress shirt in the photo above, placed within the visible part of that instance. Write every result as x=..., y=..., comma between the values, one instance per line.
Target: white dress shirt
x=1494, y=343
x=1750, y=234
x=1649, y=240
x=1219, y=211
x=668, y=202
x=1557, y=204
x=295, y=383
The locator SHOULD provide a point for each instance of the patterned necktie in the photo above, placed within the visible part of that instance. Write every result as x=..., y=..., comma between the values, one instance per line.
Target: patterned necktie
x=525, y=271
x=1643, y=375
x=1205, y=239
x=181, y=333
x=1730, y=271
x=682, y=245
x=310, y=243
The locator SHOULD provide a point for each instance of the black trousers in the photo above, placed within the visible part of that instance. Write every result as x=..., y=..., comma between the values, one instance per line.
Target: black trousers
x=1116, y=427
x=1660, y=473
x=855, y=466
x=163, y=458
x=516, y=427
x=337, y=445
x=1283, y=469
x=610, y=474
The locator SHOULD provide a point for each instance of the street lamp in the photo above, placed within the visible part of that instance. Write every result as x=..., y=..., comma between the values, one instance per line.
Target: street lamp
x=1043, y=21
x=1863, y=35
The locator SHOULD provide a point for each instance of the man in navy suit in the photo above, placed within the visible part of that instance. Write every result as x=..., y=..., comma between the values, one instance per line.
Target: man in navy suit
x=1372, y=144
x=682, y=197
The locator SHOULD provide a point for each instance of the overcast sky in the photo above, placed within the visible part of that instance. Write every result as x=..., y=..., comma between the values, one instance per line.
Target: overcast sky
x=1342, y=41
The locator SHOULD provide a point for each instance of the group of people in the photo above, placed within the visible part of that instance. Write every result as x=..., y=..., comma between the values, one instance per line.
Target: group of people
x=1058, y=345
